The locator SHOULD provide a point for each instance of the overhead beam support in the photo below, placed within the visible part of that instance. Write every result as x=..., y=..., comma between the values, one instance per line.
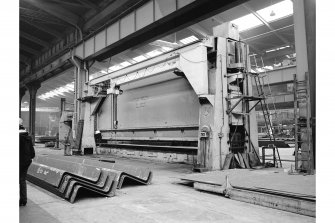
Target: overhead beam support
x=178, y=19
x=89, y=4
x=267, y=33
x=198, y=29
x=40, y=16
x=32, y=88
x=125, y=31
x=161, y=43
x=34, y=39
x=29, y=50
x=245, y=5
x=71, y=4
x=112, y=10
x=55, y=10
x=45, y=29
x=25, y=59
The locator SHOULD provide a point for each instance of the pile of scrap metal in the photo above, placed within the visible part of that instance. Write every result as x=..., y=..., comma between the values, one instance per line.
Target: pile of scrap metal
x=65, y=176
x=45, y=139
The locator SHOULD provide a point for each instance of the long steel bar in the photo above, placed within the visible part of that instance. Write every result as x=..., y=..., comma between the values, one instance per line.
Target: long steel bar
x=170, y=59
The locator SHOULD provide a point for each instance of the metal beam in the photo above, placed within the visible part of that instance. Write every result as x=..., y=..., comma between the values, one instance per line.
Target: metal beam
x=179, y=18
x=255, y=49
x=71, y=3
x=161, y=43
x=29, y=50
x=25, y=59
x=245, y=5
x=55, y=10
x=89, y=4
x=267, y=33
x=45, y=29
x=40, y=16
x=51, y=70
x=172, y=56
x=34, y=39
x=198, y=29
x=115, y=9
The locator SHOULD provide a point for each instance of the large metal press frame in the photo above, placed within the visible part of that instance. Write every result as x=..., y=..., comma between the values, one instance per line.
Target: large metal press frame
x=217, y=68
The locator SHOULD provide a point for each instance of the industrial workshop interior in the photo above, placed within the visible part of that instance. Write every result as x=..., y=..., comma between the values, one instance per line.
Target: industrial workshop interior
x=167, y=110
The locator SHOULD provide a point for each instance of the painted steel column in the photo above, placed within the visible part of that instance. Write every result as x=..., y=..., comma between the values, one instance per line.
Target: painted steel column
x=62, y=106
x=80, y=79
x=22, y=93
x=75, y=102
x=32, y=88
x=79, y=87
x=310, y=18
x=301, y=32
x=87, y=140
x=300, y=39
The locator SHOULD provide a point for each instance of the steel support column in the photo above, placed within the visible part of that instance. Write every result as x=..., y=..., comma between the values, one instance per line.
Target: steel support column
x=310, y=18
x=300, y=39
x=22, y=93
x=32, y=88
x=304, y=29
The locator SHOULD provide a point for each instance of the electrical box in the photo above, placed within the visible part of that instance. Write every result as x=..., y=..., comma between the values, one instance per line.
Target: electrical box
x=204, y=135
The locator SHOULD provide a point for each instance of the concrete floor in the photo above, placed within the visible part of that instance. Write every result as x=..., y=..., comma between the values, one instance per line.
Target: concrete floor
x=164, y=201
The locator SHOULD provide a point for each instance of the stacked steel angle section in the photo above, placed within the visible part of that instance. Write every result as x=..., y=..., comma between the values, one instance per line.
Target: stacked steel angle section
x=65, y=176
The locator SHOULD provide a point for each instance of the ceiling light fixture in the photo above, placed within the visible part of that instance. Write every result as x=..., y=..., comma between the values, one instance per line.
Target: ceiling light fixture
x=189, y=39
x=58, y=91
x=166, y=49
x=154, y=53
x=125, y=64
x=139, y=58
x=272, y=13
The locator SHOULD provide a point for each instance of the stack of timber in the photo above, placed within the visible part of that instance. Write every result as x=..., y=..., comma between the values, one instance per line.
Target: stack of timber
x=266, y=187
x=65, y=176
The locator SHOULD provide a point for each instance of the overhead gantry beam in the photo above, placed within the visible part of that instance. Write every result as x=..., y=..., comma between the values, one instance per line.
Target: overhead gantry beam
x=34, y=39
x=130, y=29
x=116, y=8
x=29, y=50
